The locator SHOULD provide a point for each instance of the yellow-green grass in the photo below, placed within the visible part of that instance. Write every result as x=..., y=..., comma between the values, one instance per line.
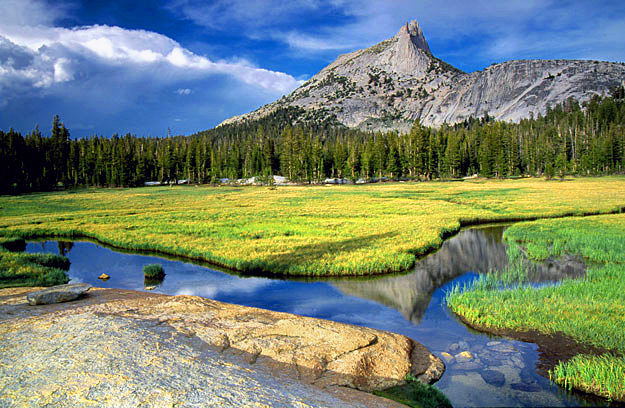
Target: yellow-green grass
x=300, y=230
x=590, y=310
x=24, y=269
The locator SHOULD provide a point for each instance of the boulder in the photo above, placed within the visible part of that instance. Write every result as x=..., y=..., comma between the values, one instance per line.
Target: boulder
x=104, y=277
x=57, y=294
x=493, y=377
x=129, y=348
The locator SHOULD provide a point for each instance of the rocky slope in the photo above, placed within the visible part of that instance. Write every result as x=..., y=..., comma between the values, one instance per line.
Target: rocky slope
x=124, y=348
x=391, y=84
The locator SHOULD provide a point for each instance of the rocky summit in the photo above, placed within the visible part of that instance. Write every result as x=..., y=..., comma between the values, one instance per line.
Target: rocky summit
x=399, y=80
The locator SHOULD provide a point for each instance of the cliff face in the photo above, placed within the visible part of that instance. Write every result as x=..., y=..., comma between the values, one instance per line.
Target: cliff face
x=391, y=84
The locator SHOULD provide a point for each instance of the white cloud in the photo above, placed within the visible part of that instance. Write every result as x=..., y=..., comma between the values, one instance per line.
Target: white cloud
x=30, y=12
x=113, y=79
x=62, y=70
x=463, y=31
x=183, y=91
x=58, y=51
x=243, y=13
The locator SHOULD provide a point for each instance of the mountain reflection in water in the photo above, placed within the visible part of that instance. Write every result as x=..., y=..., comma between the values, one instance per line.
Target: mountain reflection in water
x=478, y=250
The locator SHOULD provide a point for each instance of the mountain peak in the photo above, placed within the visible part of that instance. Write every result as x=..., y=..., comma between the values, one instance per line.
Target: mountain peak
x=412, y=32
x=390, y=84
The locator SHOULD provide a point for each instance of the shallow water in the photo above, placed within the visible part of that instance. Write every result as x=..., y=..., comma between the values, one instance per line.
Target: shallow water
x=410, y=304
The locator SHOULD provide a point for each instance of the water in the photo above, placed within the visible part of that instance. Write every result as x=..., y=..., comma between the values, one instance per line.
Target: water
x=411, y=304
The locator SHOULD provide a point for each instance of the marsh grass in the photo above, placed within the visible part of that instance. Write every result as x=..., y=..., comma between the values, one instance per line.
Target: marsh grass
x=416, y=394
x=23, y=269
x=602, y=375
x=299, y=230
x=590, y=310
x=153, y=272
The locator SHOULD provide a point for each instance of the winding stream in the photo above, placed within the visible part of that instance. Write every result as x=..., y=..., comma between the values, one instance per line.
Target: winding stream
x=500, y=372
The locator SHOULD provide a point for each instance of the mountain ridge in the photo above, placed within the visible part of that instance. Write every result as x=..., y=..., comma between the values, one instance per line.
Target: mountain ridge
x=397, y=81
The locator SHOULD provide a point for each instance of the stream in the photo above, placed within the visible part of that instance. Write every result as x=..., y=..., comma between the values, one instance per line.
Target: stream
x=500, y=372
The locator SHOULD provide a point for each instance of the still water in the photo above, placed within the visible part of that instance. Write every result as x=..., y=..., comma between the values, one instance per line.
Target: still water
x=501, y=372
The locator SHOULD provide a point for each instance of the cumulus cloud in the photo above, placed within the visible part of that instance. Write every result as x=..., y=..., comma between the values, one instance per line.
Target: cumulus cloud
x=114, y=79
x=57, y=54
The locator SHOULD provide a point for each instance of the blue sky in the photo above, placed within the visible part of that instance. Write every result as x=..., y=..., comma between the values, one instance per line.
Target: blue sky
x=144, y=66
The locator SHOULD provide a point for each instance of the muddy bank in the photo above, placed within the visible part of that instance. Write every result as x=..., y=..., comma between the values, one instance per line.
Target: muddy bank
x=119, y=347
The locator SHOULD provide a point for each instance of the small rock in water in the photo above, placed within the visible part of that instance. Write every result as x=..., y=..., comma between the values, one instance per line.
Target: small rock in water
x=463, y=345
x=493, y=377
x=463, y=356
x=57, y=294
x=493, y=343
x=517, y=361
x=467, y=365
x=454, y=347
x=526, y=387
x=104, y=277
x=503, y=348
x=447, y=357
x=150, y=287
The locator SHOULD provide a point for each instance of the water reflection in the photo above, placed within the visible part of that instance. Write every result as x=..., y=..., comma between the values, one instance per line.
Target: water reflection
x=65, y=247
x=411, y=304
x=479, y=250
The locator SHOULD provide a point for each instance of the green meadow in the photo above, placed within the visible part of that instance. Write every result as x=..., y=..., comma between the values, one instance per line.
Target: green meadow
x=22, y=269
x=300, y=230
x=590, y=310
x=365, y=230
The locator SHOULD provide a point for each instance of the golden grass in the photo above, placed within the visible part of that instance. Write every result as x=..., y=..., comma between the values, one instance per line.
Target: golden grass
x=300, y=230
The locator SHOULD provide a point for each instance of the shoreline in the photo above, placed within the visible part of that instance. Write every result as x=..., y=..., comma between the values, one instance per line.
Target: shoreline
x=419, y=252
x=552, y=349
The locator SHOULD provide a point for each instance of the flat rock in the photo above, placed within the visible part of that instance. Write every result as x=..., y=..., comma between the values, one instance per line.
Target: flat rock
x=468, y=365
x=58, y=294
x=493, y=377
x=127, y=348
x=503, y=348
x=526, y=387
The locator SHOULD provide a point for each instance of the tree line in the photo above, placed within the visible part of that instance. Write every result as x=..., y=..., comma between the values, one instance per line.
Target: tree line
x=570, y=138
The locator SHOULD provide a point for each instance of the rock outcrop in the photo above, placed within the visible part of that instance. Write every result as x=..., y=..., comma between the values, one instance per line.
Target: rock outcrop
x=58, y=294
x=391, y=84
x=126, y=348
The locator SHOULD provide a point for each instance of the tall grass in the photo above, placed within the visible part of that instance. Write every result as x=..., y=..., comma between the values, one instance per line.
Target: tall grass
x=590, y=310
x=23, y=269
x=153, y=271
x=602, y=375
x=308, y=231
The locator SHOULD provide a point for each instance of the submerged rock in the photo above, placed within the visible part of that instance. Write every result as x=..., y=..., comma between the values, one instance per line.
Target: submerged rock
x=57, y=294
x=526, y=387
x=493, y=377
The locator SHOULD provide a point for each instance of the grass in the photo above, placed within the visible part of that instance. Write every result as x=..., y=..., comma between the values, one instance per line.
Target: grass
x=299, y=230
x=416, y=394
x=602, y=375
x=23, y=269
x=590, y=310
x=153, y=271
